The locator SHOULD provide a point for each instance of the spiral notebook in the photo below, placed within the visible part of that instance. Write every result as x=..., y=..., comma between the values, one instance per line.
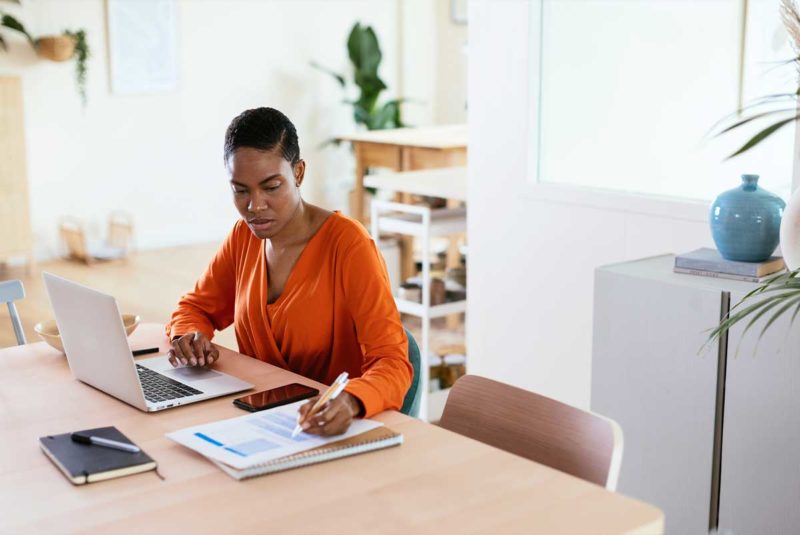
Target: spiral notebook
x=374, y=439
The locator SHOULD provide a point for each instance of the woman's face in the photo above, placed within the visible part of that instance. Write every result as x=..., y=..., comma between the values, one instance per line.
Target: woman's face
x=265, y=189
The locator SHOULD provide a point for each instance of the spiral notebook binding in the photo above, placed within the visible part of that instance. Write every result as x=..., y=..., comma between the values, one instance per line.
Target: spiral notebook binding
x=320, y=455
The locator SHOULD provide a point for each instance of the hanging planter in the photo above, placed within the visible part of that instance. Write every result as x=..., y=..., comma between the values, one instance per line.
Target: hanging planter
x=56, y=47
x=64, y=47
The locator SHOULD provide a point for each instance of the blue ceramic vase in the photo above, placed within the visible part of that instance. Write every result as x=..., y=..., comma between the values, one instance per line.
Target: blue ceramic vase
x=746, y=221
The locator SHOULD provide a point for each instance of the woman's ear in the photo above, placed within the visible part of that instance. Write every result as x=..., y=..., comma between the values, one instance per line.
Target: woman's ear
x=299, y=172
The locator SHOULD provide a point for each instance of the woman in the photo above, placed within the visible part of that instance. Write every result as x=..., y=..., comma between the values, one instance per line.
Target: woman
x=305, y=288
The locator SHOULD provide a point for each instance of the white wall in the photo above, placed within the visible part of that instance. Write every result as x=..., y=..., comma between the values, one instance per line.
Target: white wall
x=451, y=68
x=531, y=261
x=434, y=63
x=160, y=156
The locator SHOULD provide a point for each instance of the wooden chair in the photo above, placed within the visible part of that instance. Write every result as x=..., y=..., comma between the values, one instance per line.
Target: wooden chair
x=74, y=238
x=549, y=432
x=11, y=291
x=120, y=231
x=117, y=244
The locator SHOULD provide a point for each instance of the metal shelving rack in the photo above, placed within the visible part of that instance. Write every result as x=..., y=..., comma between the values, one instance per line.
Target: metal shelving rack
x=423, y=223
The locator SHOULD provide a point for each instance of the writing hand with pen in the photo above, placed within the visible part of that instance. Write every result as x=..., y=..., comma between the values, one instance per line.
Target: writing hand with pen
x=329, y=413
x=192, y=349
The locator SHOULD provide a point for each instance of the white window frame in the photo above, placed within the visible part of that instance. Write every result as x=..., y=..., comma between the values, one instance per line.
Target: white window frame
x=614, y=200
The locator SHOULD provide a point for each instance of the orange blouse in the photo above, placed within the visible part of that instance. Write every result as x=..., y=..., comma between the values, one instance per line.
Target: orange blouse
x=336, y=312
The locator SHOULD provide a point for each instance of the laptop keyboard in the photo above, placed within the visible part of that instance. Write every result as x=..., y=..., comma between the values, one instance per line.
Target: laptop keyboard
x=158, y=387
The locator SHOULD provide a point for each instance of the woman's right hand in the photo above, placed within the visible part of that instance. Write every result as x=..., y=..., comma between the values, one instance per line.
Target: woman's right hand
x=192, y=349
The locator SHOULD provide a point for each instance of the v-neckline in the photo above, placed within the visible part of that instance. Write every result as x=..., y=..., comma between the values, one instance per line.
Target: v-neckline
x=289, y=279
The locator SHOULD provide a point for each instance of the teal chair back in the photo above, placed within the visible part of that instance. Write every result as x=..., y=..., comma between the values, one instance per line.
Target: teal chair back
x=411, y=401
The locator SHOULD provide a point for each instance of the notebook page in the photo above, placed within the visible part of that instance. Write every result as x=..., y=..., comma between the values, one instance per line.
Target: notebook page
x=258, y=437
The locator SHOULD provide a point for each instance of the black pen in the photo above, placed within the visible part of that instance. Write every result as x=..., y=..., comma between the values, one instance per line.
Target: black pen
x=105, y=442
x=138, y=352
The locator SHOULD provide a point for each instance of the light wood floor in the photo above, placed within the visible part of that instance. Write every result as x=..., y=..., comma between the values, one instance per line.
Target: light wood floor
x=149, y=284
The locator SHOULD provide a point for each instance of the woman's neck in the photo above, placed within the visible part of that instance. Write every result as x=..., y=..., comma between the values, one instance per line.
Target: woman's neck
x=296, y=230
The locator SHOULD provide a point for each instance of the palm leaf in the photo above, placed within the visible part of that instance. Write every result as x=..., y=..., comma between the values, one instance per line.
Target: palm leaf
x=774, y=301
x=732, y=319
x=780, y=290
x=764, y=134
x=753, y=105
x=790, y=302
x=754, y=117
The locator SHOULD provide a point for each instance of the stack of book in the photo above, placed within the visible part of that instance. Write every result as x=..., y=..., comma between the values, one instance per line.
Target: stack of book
x=709, y=263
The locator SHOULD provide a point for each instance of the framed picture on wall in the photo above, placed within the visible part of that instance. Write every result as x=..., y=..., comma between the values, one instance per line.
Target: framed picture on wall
x=142, y=38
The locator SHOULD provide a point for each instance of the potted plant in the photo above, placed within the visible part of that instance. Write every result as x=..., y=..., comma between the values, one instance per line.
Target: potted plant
x=68, y=45
x=365, y=56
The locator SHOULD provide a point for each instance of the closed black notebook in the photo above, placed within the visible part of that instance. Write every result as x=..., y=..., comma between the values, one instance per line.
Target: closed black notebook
x=87, y=463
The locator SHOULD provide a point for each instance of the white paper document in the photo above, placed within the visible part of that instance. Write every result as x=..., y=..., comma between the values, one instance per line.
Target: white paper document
x=259, y=437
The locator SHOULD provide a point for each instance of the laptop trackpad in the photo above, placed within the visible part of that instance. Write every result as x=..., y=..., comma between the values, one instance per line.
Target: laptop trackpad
x=191, y=373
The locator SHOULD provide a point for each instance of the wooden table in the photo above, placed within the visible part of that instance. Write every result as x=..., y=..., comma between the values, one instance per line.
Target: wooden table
x=437, y=482
x=405, y=149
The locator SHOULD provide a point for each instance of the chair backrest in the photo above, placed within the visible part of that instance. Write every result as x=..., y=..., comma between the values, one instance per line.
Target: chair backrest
x=74, y=238
x=120, y=230
x=11, y=291
x=544, y=430
x=411, y=401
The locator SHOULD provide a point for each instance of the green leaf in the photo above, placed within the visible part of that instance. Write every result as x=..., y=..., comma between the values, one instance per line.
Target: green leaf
x=732, y=319
x=794, y=301
x=361, y=116
x=369, y=84
x=754, y=117
x=388, y=116
x=365, y=54
x=779, y=290
x=10, y=22
x=754, y=104
x=364, y=50
x=81, y=55
x=333, y=73
x=764, y=134
x=796, y=311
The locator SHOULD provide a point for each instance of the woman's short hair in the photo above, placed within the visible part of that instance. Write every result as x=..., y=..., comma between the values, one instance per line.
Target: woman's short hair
x=263, y=129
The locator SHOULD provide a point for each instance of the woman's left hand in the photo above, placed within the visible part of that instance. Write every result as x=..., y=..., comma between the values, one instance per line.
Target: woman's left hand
x=334, y=418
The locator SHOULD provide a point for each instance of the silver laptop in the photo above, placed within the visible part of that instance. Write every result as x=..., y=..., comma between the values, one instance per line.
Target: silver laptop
x=99, y=355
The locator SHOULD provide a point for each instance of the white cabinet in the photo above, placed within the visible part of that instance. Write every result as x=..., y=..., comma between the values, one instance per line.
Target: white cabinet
x=711, y=438
x=760, y=472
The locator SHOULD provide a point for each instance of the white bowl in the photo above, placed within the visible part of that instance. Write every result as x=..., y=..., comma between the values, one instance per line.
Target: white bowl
x=48, y=330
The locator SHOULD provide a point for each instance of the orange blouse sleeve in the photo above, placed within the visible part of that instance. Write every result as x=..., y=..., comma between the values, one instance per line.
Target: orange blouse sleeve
x=210, y=305
x=386, y=370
